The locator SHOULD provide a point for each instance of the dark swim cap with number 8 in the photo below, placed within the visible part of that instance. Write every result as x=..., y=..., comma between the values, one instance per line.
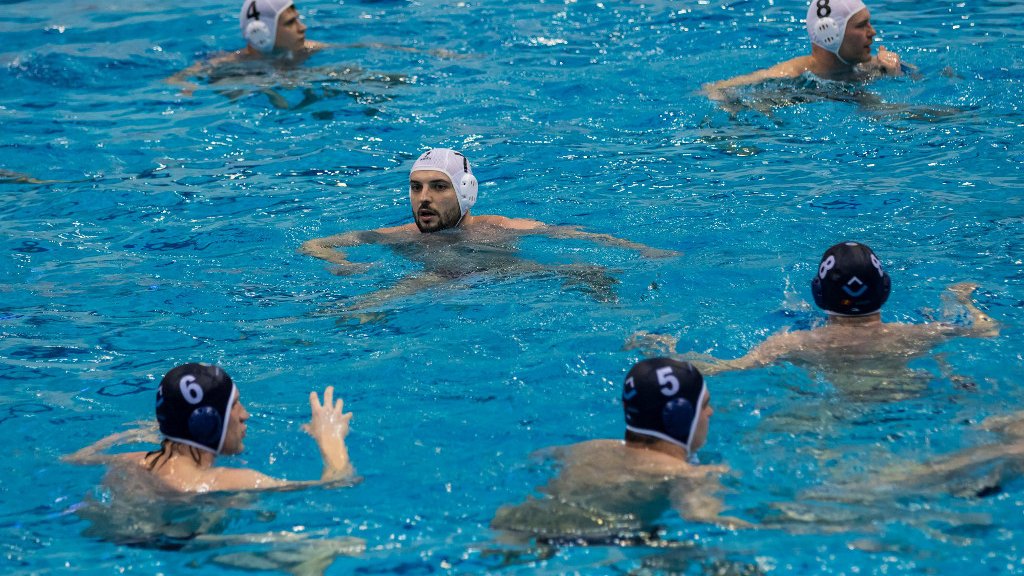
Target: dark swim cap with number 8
x=193, y=403
x=850, y=281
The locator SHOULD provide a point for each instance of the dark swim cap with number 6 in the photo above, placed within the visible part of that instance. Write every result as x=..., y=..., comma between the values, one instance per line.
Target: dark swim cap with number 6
x=663, y=398
x=193, y=404
x=850, y=281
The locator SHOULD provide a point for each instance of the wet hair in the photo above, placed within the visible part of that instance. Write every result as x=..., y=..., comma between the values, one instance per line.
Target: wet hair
x=163, y=455
x=638, y=438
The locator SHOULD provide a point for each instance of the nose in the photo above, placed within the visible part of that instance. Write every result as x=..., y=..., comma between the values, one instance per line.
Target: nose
x=302, y=27
x=423, y=197
x=871, y=31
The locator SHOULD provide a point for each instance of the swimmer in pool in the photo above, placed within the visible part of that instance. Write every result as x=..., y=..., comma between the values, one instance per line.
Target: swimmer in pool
x=272, y=30
x=841, y=37
x=452, y=243
x=613, y=491
x=275, y=36
x=975, y=472
x=883, y=491
x=201, y=416
x=855, y=345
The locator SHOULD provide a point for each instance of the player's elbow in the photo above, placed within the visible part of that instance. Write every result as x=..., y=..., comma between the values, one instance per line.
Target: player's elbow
x=311, y=247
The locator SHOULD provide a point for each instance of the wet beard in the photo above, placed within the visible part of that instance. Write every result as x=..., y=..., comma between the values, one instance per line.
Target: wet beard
x=445, y=219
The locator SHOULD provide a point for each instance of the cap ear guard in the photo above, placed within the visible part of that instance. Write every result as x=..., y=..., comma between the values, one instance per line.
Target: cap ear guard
x=205, y=424
x=825, y=33
x=468, y=188
x=258, y=35
x=679, y=417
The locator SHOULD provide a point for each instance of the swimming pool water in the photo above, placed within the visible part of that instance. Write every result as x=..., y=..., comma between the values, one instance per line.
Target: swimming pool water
x=158, y=229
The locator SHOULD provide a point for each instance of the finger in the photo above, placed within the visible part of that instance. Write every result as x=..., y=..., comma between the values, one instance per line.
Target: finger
x=329, y=397
x=339, y=405
x=314, y=401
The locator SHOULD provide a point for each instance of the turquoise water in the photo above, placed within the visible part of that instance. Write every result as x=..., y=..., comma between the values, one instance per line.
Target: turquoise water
x=165, y=230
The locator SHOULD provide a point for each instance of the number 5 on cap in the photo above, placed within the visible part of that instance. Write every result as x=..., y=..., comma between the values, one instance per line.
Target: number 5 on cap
x=668, y=381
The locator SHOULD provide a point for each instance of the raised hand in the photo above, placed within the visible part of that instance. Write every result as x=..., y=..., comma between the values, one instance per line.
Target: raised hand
x=328, y=425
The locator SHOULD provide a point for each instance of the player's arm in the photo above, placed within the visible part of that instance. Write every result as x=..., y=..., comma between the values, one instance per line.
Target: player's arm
x=326, y=248
x=181, y=79
x=788, y=69
x=982, y=325
x=575, y=233
x=696, y=500
x=93, y=453
x=765, y=353
x=328, y=425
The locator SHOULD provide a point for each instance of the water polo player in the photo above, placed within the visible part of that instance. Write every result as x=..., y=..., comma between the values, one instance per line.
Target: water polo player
x=841, y=37
x=851, y=285
x=201, y=416
x=451, y=242
x=272, y=30
x=613, y=491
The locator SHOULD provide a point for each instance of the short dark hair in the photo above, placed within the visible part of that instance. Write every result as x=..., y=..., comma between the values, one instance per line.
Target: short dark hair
x=637, y=438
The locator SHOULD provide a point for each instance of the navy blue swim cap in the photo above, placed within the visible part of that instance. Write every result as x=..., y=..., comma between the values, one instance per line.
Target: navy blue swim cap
x=850, y=281
x=193, y=405
x=663, y=398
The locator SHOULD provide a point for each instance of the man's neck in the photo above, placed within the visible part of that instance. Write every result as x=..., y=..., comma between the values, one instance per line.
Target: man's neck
x=835, y=320
x=184, y=453
x=662, y=446
x=825, y=64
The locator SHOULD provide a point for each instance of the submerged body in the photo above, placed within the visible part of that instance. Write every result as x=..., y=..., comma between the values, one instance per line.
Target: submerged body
x=841, y=40
x=608, y=491
x=856, y=351
x=452, y=243
x=613, y=491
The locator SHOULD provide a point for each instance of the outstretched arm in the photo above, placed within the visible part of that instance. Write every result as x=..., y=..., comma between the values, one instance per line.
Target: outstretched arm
x=324, y=249
x=788, y=69
x=763, y=354
x=574, y=232
x=328, y=426
x=181, y=79
x=982, y=325
x=93, y=454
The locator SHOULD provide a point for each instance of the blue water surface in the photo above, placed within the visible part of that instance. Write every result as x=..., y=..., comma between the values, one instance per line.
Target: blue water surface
x=142, y=228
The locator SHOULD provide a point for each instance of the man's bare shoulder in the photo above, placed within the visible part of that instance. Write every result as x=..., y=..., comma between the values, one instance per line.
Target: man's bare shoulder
x=222, y=478
x=871, y=341
x=789, y=68
x=632, y=460
x=128, y=459
x=404, y=229
x=508, y=223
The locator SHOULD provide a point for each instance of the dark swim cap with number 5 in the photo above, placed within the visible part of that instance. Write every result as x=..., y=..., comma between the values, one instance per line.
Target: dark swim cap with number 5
x=662, y=398
x=193, y=403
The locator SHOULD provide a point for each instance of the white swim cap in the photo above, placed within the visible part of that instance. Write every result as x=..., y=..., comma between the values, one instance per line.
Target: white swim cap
x=826, y=22
x=258, y=20
x=456, y=167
